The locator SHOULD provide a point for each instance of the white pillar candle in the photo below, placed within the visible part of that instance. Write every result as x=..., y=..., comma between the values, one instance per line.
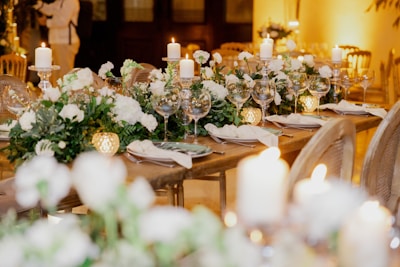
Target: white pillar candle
x=269, y=40
x=186, y=68
x=364, y=238
x=266, y=50
x=306, y=189
x=43, y=56
x=262, y=188
x=336, y=54
x=173, y=50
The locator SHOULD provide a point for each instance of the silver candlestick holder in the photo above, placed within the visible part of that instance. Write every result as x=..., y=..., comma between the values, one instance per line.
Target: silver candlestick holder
x=44, y=75
x=335, y=81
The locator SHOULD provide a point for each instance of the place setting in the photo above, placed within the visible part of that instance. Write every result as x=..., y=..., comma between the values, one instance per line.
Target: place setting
x=347, y=108
x=297, y=121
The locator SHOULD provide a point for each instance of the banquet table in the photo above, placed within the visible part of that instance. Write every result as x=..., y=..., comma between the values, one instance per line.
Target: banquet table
x=170, y=180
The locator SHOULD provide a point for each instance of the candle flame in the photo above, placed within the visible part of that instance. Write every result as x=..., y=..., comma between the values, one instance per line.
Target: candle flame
x=230, y=219
x=268, y=36
x=43, y=44
x=319, y=173
x=173, y=40
x=187, y=56
x=272, y=153
x=336, y=46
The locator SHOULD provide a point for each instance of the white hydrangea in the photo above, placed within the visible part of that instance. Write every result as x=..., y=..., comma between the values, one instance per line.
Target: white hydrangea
x=72, y=112
x=149, y=121
x=52, y=94
x=156, y=74
x=217, y=90
x=127, y=109
x=105, y=70
x=26, y=120
x=46, y=173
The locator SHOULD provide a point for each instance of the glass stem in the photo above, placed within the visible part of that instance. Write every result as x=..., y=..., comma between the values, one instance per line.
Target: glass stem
x=263, y=114
x=195, y=132
x=364, y=94
x=165, y=128
x=295, y=104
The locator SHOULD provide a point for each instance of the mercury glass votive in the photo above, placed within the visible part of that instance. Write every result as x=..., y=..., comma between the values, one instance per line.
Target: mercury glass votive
x=309, y=102
x=106, y=143
x=251, y=115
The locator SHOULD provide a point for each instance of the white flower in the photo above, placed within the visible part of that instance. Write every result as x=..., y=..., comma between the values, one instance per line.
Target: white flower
x=72, y=112
x=295, y=64
x=52, y=94
x=149, y=121
x=105, y=70
x=44, y=148
x=174, y=220
x=156, y=74
x=208, y=73
x=11, y=250
x=217, y=57
x=291, y=45
x=277, y=99
x=83, y=78
x=275, y=65
x=245, y=55
x=231, y=78
x=157, y=87
x=105, y=91
x=309, y=60
x=201, y=56
x=235, y=64
x=106, y=173
x=141, y=193
x=26, y=120
x=248, y=80
x=217, y=90
x=126, y=69
x=42, y=174
x=325, y=71
x=127, y=109
x=62, y=144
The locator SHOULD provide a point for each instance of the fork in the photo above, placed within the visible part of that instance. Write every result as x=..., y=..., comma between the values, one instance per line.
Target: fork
x=293, y=127
x=138, y=161
x=220, y=141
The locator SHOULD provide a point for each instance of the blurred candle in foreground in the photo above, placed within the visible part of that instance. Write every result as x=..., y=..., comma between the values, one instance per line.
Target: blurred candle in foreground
x=173, y=50
x=306, y=189
x=364, y=238
x=186, y=68
x=336, y=54
x=262, y=188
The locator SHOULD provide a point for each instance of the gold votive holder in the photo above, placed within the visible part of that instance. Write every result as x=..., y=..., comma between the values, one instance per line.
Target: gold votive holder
x=106, y=143
x=251, y=115
x=309, y=102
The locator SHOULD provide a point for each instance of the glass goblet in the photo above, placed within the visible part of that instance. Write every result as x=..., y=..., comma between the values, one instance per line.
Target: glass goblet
x=263, y=93
x=297, y=85
x=199, y=105
x=348, y=77
x=238, y=94
x=366, y=78
x=16, y=99
x=319, y=87
x=166, y=104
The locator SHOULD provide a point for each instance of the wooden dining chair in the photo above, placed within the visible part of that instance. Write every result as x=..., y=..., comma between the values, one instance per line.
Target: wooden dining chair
x=333, y=145
x=348, y=49
x=15, y=65
x=394, y=93
x=142, y=75
x=360, y=59
x=236, y=46
x=380, y=172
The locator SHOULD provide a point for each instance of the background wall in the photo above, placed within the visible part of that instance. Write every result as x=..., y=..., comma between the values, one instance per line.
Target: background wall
x=330, y=22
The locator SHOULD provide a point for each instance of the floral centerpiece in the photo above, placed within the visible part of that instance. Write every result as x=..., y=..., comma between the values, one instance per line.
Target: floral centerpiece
x=275, y=31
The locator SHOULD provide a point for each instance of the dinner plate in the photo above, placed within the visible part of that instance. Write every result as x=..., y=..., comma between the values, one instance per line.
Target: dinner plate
x=193, y=150
x=236, y=139
x=294, y=124
x=4, y=136
x=351, y=112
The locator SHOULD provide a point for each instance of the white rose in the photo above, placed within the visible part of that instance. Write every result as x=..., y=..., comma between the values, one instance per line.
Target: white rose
x=149, y=121
x=72, y=112
x=201, y=56
x=27, y=119
x=245, y=55
x=291, y=45
x=217, y=57
x=52, y=94
x=325, y=71
x=208, y=73
x=275, y=65
x=309, y=60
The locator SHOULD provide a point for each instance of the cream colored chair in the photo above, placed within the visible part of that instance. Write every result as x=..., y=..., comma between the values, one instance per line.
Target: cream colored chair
x=333, y=145
x=360, y=59
x=142, y=75
x=15, y=65
x=380, y=173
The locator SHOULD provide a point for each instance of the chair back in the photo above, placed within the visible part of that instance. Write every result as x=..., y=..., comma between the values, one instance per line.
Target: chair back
x=333, y=145
x=142, y=75
x=360, y=59
x=380, y=173
x=386, y=70
x=395, y=92
x=345, y=50
x=236, y=46
x=15, y=65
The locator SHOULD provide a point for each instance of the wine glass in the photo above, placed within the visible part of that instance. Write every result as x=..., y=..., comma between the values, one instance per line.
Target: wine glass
x=348, y=77
x=15, y=99
x=297, y=85
x=166, y=104
x=366, y=78
x=263, y=93
x=199, y=105
x=238, y=94
x=182, y=112
x=319, y=86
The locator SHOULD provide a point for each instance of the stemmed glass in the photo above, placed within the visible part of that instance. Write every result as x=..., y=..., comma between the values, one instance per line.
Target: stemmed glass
x=348, y=77
x=182, y=112
x=198, y=106
x=297, y=85
x=263, y=93
x=319, y=86
x=366, y=78
x=238, y=94
x=15, y=99
x=166, y=104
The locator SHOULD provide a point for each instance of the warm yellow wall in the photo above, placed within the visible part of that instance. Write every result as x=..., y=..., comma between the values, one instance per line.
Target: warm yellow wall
x=336, y=22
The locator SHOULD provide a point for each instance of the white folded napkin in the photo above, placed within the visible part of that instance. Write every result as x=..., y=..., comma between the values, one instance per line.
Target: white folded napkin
x=146, y=147
x=296, y=118
x=5, y=127
x=243, y=131
x=345, y=106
